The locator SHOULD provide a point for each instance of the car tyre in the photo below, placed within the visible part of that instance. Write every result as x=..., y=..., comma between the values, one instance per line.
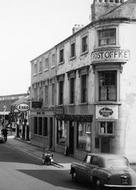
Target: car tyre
x=98, y=184
x=74, y=176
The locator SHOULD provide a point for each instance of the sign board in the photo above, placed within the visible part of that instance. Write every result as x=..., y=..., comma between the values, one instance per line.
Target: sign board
x=110, y=55
x=36, y=104
x=22, y=107
x=106, y=112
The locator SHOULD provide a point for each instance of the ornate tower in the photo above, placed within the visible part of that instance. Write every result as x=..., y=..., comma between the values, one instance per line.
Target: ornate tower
x=101, y=7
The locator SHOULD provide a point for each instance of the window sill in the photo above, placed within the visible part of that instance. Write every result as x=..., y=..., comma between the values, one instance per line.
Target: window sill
x=53, y=66
x=61, y=63
x=45, y=70
x=107, y=103
x=72, y=58
x=106, y=46
x=83, y=103
x=84, y=53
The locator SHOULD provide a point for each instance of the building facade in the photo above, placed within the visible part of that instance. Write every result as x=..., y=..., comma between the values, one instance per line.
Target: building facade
x=94, y=78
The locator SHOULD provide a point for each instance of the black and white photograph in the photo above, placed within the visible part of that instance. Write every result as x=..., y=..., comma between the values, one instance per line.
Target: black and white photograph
x=68, y=95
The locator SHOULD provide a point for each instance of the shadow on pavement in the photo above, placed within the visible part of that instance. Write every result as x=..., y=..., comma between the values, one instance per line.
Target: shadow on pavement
x=56, y=178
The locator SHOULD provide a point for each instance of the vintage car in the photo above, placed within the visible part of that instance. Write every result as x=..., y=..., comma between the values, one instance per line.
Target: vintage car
x=105, y=171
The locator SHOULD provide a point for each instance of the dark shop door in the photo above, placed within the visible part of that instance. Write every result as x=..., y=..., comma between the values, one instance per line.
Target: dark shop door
x=71, y=138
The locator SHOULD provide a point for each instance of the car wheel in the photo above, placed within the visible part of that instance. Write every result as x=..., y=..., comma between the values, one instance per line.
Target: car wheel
x=98, y=184
x=74, y=176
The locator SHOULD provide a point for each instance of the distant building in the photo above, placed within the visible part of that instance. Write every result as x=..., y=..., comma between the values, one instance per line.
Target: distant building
x=94, y=89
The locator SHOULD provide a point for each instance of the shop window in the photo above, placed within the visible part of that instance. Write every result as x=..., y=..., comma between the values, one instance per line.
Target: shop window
x=83, y=88
x=73, y=52
x=45, y=126
x=84, y=44
x=72, y=90
x=107, y=37
x=84, y=136
x=106, y=128
x=61, y=85
x=107, y=85
x=61, y=132
x=35, y=125
x=40, y=125
x=61, y=55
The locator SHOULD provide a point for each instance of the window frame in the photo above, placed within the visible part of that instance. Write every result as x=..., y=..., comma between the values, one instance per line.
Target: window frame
x=72, y=90
x=106, y=128
x=104, y=30
x=107, y=87
x=84, y=44
x=61, y=56
x=83, y=97
x=72, y=50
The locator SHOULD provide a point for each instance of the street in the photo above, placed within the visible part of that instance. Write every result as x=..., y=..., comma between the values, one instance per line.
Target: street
x=22, y=171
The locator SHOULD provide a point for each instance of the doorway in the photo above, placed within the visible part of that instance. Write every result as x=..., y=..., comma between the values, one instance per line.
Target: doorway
x=71, y=137
x=105, y=145
x=51, y=133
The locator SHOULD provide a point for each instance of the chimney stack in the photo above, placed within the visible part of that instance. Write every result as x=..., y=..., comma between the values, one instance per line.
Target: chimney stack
x=101, y=7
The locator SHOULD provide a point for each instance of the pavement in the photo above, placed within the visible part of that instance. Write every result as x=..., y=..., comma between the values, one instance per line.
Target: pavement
x=60, y=160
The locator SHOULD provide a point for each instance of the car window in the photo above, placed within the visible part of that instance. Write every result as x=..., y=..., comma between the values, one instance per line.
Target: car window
x=95, y=161
x=88, y=159
x=114, y=163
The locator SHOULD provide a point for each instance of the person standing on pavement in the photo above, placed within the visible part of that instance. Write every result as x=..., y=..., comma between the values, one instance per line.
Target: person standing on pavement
x=4, y=132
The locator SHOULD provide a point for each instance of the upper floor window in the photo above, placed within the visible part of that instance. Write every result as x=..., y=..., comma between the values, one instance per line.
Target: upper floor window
x=107, y=37
x=107, y=85
x=61, y=86
x=46, y=63
x=53, y=93
x=84, y=44
x=73, y=52
x=72, y=90
x=40, y=66
x=61, y=55
x=83, y=88
x=46, y=95
x=53, y=60
x=35, y=68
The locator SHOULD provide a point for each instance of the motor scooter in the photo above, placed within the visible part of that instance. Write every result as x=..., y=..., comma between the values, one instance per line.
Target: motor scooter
x=47, y=158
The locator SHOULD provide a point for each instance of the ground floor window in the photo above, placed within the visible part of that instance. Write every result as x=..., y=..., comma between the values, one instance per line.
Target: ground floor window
x=45, y=126
x=61, y=132
x=35, y=125
x=84, y=136
x=40, y=125
x=106, y=128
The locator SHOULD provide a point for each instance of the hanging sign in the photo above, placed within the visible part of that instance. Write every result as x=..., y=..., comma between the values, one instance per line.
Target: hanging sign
x=22, y=107
x=106, y=112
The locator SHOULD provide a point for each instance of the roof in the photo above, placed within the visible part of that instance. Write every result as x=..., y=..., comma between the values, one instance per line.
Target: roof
x=126, y=10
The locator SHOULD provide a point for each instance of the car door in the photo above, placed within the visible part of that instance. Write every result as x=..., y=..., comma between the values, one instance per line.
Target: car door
x=85, y=168
x=94, y=166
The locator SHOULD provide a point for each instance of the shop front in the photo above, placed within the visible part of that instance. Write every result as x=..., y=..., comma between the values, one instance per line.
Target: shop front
x=107, y=128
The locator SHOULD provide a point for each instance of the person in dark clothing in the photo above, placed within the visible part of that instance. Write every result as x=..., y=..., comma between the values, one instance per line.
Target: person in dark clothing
x=4, y=132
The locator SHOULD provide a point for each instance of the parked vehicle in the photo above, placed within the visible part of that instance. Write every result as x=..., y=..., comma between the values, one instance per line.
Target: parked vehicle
x=105, y=170
x=47, y=158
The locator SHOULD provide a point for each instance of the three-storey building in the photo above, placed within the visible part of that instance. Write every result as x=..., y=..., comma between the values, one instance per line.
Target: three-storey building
x=94, y=80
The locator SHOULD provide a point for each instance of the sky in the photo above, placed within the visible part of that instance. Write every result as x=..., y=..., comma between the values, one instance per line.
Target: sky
x=29, y=28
